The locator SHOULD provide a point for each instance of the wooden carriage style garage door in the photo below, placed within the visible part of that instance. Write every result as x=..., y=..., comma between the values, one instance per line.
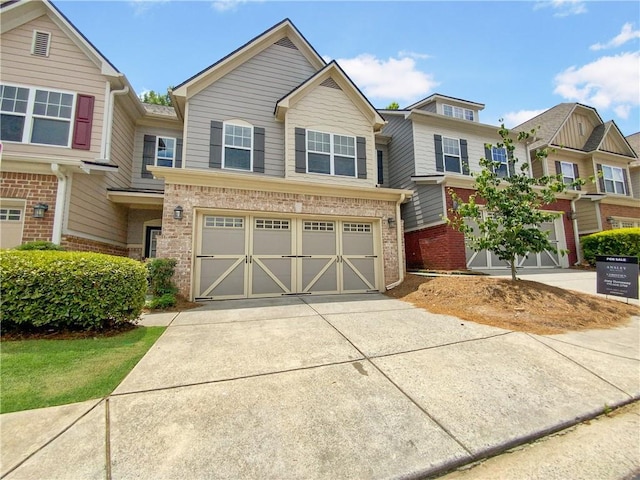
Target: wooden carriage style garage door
x=259, y=256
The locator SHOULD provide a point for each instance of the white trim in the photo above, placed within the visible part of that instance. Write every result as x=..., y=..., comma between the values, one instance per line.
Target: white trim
x=444, y=155
x=242, y=124
x=332, y=153
x=173, y=159
x=463, y=112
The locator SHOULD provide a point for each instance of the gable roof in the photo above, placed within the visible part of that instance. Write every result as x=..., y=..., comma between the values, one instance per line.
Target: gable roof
x=634, y=143
x=548, y=123
x=438, y=96
x=206, y=77
x=331, y=73
x=17, y=13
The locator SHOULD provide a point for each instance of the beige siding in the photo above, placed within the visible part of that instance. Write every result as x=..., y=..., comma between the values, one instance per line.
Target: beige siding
x=136, y=175
x=569, y=135
x=67, y=68
x=634, y=178
x=122, y=137
x=329, y=110
x=614, y=144
x=585, y=169
x=587, y=216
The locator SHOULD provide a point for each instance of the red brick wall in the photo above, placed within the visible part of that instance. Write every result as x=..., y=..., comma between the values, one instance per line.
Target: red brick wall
x=78, y=244
x=608, y=210
x=34, y=188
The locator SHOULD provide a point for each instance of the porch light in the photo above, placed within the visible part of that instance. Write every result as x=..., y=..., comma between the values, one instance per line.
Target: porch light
x=571, y=215
x=39, y=209
x=610, y=220
x=177, y=213
x=391, y=221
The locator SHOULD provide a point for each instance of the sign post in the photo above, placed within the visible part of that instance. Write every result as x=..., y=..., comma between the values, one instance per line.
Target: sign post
x=617, y=275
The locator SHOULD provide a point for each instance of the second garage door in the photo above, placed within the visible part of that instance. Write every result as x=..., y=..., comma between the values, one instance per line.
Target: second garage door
x=256, y=256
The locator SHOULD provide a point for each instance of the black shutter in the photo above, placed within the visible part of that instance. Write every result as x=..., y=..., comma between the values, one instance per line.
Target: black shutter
x=511, y=164
x=576, y=175
x=148, y=155
x=301, y=150
x=488, y=156
x=215, y=145
x=464, y=156
x=626, y=182
x=558, y=167
x=600, y=175
x=258, y=149
x=178, y=162
x=361, y=153
x=380, y=167
x=437, y=139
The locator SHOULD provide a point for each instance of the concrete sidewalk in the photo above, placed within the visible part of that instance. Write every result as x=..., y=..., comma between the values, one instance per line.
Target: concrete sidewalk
x=353, y=386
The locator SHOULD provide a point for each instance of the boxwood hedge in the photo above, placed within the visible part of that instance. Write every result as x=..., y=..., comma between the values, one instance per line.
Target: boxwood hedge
x=69, y=290
x=622, y=241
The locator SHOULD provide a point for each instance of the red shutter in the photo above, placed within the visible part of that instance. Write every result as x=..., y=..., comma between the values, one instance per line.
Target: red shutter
x=83, y=122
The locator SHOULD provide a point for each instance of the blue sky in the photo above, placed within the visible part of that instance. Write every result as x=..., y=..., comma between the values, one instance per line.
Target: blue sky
x=518, y=58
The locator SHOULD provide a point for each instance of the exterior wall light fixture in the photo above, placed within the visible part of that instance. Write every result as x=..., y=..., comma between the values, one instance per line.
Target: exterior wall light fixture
x=39, y=210
x=177, y=213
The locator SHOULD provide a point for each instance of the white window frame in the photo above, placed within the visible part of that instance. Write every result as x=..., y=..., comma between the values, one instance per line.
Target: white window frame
x=565, y=177
x=445, y=155
x=620, y=222
x=175, y=145
x=506, y=160
x=6, y=214
x=332, y=153
x=238, y=147
x=30, y=116
x=458, y=112
x=611, y=179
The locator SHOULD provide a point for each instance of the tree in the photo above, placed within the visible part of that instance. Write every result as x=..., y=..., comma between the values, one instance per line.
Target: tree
x=157, y=98
x=393, y=106
x=513, y=206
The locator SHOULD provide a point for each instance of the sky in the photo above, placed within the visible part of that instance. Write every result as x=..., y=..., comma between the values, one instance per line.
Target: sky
x=518, y=58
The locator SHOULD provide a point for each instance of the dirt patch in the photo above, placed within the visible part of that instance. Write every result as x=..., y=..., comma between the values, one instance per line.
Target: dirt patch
x=523, y=305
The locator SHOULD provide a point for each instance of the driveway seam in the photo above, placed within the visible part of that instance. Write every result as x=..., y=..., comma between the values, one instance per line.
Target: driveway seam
x=588, y=348
x=107, y=439
x=226, y=322
x=444, y=429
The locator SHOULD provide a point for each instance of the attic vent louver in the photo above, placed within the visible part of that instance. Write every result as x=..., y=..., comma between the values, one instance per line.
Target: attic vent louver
x=331, y=83
x=41, y=42
x=285, y=42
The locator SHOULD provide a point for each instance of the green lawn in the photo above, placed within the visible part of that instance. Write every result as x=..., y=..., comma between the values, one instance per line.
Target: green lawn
x=43, y=373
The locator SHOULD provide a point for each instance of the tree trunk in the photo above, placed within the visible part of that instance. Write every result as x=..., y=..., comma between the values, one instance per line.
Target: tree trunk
x=512, y=264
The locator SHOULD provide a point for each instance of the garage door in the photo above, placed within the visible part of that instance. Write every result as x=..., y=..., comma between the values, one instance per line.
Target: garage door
x=11, y=224
x=545, y=259
x=255, y=256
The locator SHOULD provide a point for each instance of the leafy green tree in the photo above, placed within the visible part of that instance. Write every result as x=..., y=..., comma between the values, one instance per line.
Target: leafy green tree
x=513, y=206
x=157, y=98
x=393, y=106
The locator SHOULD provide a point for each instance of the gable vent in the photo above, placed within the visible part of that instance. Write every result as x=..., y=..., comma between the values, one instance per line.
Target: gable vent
x=331, y=83
x=285, y=42
x=41, y=42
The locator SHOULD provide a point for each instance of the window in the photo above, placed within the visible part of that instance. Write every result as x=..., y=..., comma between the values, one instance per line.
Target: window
x=356, y=227
x=623, y=223
x=313, y=226
x=237, y=147
x=223, y=222
x=499, y=155
x=10, y=214
x=568, y=173
x=458, y=112
x=613, y=180
x=31, y=115
x=331, y=154
x=165, y=151
x=451, y=151
x=268, y=224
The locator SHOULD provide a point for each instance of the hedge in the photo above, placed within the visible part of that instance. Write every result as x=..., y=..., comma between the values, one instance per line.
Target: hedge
x=69, y=290
x=622, y=241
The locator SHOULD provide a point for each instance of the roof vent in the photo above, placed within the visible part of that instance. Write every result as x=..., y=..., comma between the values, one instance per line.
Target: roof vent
x=331, y=83
x=41, y=42
x=285, y=42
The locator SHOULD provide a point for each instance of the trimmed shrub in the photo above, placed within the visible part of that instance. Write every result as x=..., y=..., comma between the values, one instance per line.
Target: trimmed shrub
x=160, y=272
x=40, y=245
x=165, y=301
x=69, y=290
x=622, y=241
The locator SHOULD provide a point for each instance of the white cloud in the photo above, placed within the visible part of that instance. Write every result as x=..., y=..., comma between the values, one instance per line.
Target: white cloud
x=626, y=34
x=140, y=7
x=563, y=8
x=227, y=5
x=512, y=119
x=415, y=55
x=608, y=83
x=395, y=79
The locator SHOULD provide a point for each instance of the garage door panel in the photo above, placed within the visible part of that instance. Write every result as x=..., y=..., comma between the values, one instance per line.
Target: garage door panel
x=357, y=239
x=11, y=225
x=319, y=275
x=271, y=276
x=272, y=237
x=358, y=274
x=223, y=236
x=222, y=277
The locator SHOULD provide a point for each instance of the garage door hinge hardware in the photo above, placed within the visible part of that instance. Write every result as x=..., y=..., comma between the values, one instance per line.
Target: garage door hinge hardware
x=205, y=256
x=296, y=256
x=371, y=256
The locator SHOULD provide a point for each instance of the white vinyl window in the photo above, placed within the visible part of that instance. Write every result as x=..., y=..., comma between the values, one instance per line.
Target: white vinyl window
x=613, y=180
x=458, y=112
x=356, y=227
x=331, y=154
x=568, y=173
x=499, y=155
x=33, y=115
x=165, y=151
x=10, y=214
x=271, y=224
x=313, y=226
x=238, y=147
x=451, y=152
x=223, y=222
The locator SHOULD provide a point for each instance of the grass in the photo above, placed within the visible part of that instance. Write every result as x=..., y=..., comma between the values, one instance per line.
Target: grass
x=44, y=373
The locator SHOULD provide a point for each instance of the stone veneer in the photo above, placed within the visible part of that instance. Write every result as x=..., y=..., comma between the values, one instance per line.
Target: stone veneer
x=176, y=240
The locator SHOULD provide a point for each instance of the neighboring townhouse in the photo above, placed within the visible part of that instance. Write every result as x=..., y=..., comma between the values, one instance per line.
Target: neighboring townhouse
x=634, y=178
x=63, y=141
x=270, y=188
x=583, y=146
x=433, y=147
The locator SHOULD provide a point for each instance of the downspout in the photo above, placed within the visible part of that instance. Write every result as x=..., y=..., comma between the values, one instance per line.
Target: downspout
x=61, y=194
x=124, y=91
x=399, y=238
x=576, y=237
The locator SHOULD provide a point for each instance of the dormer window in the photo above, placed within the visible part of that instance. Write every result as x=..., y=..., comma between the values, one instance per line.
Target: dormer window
x=41, y=42
x=458, y=112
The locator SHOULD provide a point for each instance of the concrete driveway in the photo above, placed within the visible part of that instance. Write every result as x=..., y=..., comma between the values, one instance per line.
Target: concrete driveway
x=336, y=387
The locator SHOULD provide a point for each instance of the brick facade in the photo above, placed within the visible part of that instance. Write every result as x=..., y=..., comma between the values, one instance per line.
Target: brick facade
x=176, y=240
x=442, y=248
x=608, y=210
x=78, y=244
x=34, y=188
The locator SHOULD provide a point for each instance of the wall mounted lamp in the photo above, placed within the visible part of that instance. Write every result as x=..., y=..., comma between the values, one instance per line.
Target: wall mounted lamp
x=571, y=215
x=391, y=221
x=177, y=213
x=610, y=220
x=39, y=210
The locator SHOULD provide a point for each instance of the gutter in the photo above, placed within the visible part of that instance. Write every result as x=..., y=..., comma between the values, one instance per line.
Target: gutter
x=576, y=237
x=107, y=150
x=399, y=238
x=61, y=194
